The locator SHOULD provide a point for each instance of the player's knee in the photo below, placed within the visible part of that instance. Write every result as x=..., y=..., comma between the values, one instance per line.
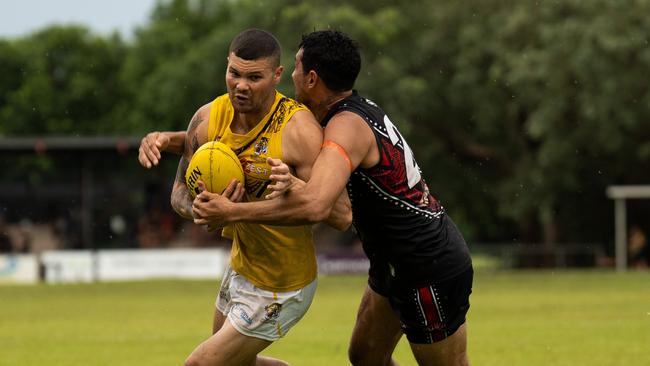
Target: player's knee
x=355, y=353
x=353, y=356
x=192, y=360
x=362, y=353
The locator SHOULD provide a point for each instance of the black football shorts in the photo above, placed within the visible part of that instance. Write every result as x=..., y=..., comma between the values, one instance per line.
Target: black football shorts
x=431, y=313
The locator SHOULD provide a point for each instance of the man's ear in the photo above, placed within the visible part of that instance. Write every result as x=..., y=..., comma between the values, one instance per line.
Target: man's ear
x=278, y=74
x=311, y=79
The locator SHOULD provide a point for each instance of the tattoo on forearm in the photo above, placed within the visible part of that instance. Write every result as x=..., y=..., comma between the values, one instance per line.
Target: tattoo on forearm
x=181, y=199
x=195, y=143
x=182, y=167
x=192, y=134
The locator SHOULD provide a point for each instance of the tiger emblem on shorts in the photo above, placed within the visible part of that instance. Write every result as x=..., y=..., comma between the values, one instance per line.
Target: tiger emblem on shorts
x=272, y=311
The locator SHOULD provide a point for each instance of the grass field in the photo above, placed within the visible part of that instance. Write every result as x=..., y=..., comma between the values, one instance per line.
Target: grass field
x=517, y=318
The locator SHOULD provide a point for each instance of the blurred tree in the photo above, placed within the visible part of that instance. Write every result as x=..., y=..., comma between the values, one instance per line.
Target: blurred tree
x=68, y=83
x=519, y=112
x=12, y=66
x=174, y=65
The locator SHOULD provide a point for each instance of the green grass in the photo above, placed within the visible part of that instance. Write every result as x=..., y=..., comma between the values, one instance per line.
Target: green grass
x=517, y=318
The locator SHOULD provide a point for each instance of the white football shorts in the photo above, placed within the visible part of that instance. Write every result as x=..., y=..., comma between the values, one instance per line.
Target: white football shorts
x=260, y=313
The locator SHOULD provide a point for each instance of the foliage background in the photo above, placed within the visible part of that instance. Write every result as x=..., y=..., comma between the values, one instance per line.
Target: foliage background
x=520, y=113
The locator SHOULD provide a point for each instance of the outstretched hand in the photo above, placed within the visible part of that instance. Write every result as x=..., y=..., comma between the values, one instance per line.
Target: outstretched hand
x=150, y=147
x=211, y=208
x=282, y=178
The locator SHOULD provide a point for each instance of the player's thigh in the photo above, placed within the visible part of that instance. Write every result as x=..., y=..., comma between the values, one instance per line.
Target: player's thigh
x=376, y=332
x=227, y=347
x=452, y=351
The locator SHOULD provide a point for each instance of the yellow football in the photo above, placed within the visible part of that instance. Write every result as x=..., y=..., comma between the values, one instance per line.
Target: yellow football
x=216, y=165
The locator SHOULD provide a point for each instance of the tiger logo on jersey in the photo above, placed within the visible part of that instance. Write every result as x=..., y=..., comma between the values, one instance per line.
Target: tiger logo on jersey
x=262, y=147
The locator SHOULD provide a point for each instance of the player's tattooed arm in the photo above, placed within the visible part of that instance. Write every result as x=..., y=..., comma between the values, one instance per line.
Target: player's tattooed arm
x=181, y=200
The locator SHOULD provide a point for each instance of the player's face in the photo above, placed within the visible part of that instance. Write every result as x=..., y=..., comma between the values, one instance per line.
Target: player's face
x=251, y=83
x=298, y=77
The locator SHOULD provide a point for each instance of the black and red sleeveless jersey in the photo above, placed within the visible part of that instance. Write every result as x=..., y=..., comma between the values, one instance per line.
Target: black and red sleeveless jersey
x=398, y=221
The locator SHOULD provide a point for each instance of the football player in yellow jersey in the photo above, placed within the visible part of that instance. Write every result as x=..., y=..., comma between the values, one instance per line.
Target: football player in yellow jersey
x=271, y=280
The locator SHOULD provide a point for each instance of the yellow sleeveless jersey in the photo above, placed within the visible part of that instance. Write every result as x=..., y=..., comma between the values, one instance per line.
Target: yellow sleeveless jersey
x=274, y=258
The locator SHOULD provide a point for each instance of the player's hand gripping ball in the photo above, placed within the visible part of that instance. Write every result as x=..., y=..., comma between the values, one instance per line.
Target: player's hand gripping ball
x=216, y=165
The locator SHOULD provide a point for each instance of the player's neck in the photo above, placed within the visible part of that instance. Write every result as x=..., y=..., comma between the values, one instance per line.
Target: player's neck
x=244, y=122
x=327, y=102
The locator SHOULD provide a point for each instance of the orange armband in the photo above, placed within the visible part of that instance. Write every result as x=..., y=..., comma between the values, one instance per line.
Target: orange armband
x=338, y=148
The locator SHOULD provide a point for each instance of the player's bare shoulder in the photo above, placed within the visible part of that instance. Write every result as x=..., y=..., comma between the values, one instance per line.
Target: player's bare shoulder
x=302, y=137
x=354, y=135
x=346, y=117
x=302, y=124
x=304, y=118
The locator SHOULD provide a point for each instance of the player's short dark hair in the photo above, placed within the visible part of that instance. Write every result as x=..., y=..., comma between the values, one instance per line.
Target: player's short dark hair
x=334, y=56
x=254, y=44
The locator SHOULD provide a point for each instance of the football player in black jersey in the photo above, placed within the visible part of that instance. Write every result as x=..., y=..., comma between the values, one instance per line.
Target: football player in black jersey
x=420, y=276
